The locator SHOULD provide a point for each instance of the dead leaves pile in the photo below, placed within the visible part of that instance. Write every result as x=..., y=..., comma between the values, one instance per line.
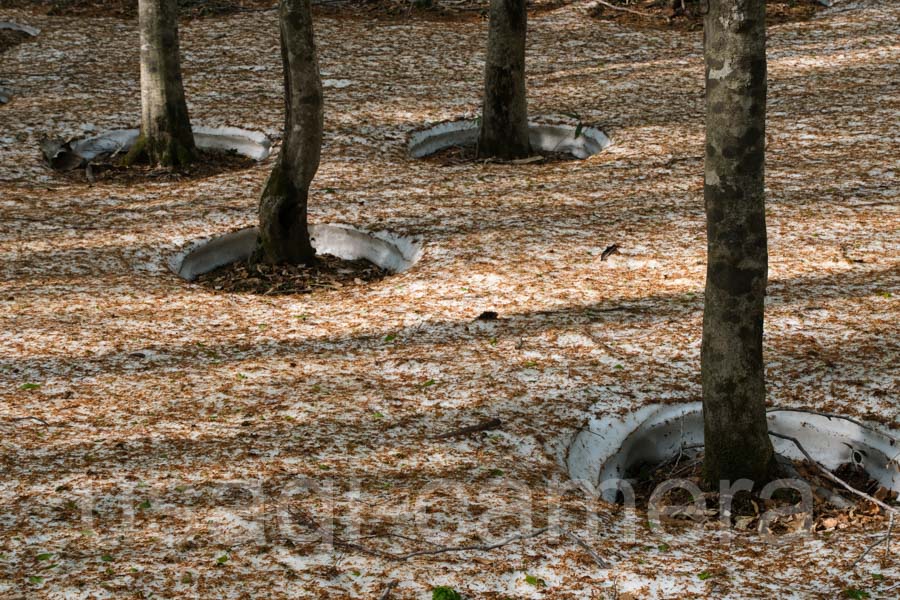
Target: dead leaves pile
x=461, y=155
x=11, y=37
x=328, y=273
x=834, y=507
x=111, y=169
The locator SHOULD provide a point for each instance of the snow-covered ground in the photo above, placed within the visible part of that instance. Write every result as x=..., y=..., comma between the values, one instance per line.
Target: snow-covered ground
x=193, y=438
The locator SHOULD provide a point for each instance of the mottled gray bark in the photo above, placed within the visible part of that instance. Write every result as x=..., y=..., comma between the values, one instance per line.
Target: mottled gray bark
x=504, y=115
x=283, y=227
x=736, y=439
x=166, y=136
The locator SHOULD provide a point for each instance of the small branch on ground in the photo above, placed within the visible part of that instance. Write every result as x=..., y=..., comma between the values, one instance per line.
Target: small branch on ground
x=629, y=10
x=473, y=547
x=484, y=426
x=310, y=523
x=887, y=544
x=505, y=542
x=597, y=559
x=829, y=475
x=871, y=547
x=835, y=416
x=387, y=591
x=829, y=496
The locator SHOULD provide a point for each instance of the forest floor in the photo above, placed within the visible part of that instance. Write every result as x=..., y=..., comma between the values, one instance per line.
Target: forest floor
x=165, y=439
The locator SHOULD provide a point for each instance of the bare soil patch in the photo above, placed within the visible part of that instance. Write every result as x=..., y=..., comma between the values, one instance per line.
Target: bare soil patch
x=834, y=506
x=10, y=38
x=460, y=155
x=328, y=273
x=113, y=171
x=687, y=15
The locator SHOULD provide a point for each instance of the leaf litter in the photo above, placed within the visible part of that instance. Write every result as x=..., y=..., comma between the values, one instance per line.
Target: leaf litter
x=211, y=409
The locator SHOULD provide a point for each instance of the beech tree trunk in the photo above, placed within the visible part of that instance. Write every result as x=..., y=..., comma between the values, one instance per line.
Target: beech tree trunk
x=504, y=115
x=166, y=137
x=283, y=226
x=736, y=439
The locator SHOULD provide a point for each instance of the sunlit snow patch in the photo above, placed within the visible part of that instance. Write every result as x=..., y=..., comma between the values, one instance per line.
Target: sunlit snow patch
x=579, y=141
x=608, y=447
x=27, y=29
x=389, y=251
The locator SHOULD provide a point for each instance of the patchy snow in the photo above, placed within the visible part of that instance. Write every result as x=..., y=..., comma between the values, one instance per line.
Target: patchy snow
x=186, y=426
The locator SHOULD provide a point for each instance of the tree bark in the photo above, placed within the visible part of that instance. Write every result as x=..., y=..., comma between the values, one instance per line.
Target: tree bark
x=736, y=439
x=504, y=115
x=283, y=226
x=166, y=136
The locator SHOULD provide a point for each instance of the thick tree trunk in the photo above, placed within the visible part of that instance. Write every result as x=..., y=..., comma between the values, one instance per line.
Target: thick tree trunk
x=166, y=136
x=737, y=443
x=283, y=227
x=504, y=115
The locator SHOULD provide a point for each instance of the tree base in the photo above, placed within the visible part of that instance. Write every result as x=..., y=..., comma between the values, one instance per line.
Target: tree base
x=283, y=227
x=329, y=273
x=512, y=146
x=580, y=141
x=609, y=446
x=160, y=152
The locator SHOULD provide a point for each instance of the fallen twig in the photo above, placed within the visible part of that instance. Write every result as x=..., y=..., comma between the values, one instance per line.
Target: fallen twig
x=474, y=547
x=833, y=498
x=339, y=543
x=597, y=559
x=835, y=416
x=887, y=544
x=387, y=591
x=631, y=11
x=865, y=552
x=439, y=549
x=29, y=417
x=828, y=474
x=483, y=426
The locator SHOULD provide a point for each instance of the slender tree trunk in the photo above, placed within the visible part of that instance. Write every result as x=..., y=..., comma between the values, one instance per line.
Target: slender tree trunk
x=737, y=443
x=283, y=227
x=504, y=115
x=166, y=136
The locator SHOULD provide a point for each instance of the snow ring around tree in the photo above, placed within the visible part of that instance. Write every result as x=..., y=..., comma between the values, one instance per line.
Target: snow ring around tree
x=6, y=93
x=580, y=141
x=252, y=144
x=387, y=250
x=26, y=29
x=607, y=447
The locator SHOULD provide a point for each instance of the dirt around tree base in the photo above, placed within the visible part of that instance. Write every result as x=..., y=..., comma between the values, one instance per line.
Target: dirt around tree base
x=11, y=37
x=688, y=15
x=328, y=273
x=460, y=155
x=114, y=171
x=834, y=506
